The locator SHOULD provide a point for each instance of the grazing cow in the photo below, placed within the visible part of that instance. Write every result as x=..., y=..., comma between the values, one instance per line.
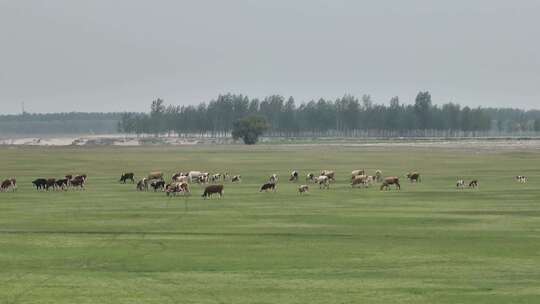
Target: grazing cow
x=370, y=180
x=78, y=181
x=273, y=179
x=460, y=184
x=142, y=185
x=178, y=175
x=236, y=178
x=294, y=176
x=51, y=182
x=393, y=180
x=413, y=177
x=359, y=180
x=473, y=183
x=62, y=184
x=180, y=179
x=155, y=175
x=323, y=181
x=355, y=173
x=194, y=176
x=310, y=177
x=8, y=184
x=126, y=176
x=177, y=188
x=40, y=183
x=213, y=189
x=215, y=177
x=303, y=189
x=378, y=176
x=268, y=186
x=328, y=173
x=158, y=184
x=522, y=179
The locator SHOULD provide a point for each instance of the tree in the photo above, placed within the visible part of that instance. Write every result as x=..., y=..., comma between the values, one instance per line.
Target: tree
x=422, y=109
x=537, y=125
x=249, y=129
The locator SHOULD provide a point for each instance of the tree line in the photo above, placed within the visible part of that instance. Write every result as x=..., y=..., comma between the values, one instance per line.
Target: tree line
x=347, y=115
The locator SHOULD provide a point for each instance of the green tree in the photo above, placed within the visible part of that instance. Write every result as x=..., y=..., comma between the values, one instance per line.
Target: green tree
x=422, y=109
x=249, y=129
x=537, y=125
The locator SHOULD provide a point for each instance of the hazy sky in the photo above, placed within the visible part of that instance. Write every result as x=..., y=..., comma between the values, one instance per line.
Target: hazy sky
x=118, y=55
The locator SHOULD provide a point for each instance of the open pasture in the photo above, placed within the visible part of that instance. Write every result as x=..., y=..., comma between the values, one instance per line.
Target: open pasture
x=428, y=243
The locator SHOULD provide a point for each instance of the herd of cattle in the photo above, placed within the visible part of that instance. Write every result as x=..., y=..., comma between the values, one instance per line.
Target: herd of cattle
x=180, y=182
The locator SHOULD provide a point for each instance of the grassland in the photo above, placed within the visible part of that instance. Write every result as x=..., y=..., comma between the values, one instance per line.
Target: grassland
x=428, y=243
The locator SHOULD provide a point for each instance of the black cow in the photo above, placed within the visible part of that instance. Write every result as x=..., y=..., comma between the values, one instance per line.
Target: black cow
x=40, y=183
x=158, y=185
x=51, y=183
x=268, y=186
x=62, y=184
x=126, y=176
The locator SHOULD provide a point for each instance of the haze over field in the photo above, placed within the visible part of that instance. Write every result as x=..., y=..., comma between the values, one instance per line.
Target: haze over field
x=62, y=55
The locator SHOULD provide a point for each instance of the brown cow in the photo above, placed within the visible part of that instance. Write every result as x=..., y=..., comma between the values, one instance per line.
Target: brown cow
x=177, y=188
x=359, y=180
x=328, y=173
x=8, y=184
x=155, y=175
x=213, y=189
x=357, y=172
x=393, y=180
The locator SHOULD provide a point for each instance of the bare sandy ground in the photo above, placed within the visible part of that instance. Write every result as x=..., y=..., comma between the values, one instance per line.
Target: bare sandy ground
x=131, y=141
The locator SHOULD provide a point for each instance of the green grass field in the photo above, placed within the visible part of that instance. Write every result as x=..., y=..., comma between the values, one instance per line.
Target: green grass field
x=428, y=243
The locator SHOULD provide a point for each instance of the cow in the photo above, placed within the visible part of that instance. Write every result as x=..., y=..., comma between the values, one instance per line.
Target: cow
x=413, y=177
x=323, y=181
x=236, y=178
x=355, y=173
x=142, y=185
x=294, y=176
x=215, y=177
x=522, y=179
x=268, y=186
x=8, y=184
x=194, y=176
x=176, y=188
x=78, y=181
x=310, y=177
x=178, y=175
x=378, y=176
x=303, y=189
x=273, y=178
x=51, y=183
x=40, y=183
x=328, y=173
x=370, y=180
x=125, y=176
x=359, y=180
x=460, y=184
x=62, y=184
x=158, y=184
x=213, y=189
x=180, y=178
x=393, y=180
x=155, y=175
x=473, y=183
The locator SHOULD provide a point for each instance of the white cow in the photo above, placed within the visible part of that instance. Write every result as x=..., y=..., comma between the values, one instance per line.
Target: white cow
x=323, y=181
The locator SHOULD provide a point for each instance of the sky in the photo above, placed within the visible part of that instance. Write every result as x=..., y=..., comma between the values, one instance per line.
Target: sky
x=103, y=55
